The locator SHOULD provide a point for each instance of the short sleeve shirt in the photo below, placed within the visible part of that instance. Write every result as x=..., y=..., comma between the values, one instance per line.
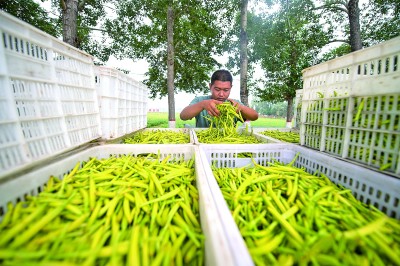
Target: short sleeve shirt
x=201, y=120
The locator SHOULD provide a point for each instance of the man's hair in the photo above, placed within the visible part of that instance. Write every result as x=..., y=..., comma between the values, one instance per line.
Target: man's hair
x=221, y=75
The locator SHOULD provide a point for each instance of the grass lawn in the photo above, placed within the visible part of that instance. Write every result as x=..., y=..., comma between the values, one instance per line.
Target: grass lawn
x=160, y=120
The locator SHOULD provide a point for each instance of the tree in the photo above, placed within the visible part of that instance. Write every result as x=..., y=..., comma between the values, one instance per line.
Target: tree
x=244, y=94
x=337, y=10
x=239, y=48
x=181, y=59
x=77, y=31
x=80, y=19
x=286, y=42
x=379, y=21
x=69, y=10
x=354, y=22
x=170, y=66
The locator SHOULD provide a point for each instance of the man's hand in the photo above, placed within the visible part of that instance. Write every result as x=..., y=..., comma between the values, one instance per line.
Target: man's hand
x=211, y=106
x=247, y=112
x=235, y=104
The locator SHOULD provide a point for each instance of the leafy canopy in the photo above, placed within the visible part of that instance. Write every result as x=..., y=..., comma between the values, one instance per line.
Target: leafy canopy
x=286, y=42
x=140, y=32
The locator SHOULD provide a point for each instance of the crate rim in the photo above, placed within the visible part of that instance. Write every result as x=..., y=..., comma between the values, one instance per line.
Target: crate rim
x=325, y=65
x=42, y=33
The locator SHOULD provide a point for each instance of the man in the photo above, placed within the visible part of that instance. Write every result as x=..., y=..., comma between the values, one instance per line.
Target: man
x=220, y=87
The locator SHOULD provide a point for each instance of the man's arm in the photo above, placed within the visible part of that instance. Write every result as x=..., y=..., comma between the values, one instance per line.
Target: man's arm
x=247, y=112
x=192, y=110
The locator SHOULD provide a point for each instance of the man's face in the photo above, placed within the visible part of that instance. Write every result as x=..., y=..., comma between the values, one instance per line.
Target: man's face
x=220, y=90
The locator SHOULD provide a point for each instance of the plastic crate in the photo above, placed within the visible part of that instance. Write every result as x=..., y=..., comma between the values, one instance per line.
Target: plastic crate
x=122, y=101
x=216, y=246
x=259, y=131
x=185, y=131
x=297, y=109
x=121, y=140
x=350, y=107
x=367, y=185
x=262, y=138
x=48, y=101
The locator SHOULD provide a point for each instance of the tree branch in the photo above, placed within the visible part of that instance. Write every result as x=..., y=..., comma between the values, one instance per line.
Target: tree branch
x=338, y=40
x=63, y=5
x=332, y=7
x=343, y=3
x=90, y=28
x=81, y=5
x=109, y=7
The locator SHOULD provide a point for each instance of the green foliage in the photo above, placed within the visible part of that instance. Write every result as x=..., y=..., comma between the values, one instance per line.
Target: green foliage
x=32, y=13
x=290, y=39
x=336, y=52
x=91, y=17
x=380, y=21
x=271, y=109
x=286, y=42
x=140, y=32
x=232, y=48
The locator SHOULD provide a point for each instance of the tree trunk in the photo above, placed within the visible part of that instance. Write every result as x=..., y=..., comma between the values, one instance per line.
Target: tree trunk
x=69, y=19
x=354, y=21
x=170, y=67
x=289, y=112
x=244, y=93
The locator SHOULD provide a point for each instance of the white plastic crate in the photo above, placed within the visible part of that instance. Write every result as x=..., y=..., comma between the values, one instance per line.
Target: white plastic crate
x=350, y=107
x=216, y=245
x=367, y=185
x=262, y=138
x=258, y=132
x=48, y=101
x=297, y=108
x=185, y=131
x=122, y=101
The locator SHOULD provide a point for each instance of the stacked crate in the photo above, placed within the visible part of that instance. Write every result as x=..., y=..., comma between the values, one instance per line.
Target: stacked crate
x=158, y=136
x=277, y=135
x=48, y=101
x=350, y=107
x=242, y=131
x=297, y=108
x=123, y=102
